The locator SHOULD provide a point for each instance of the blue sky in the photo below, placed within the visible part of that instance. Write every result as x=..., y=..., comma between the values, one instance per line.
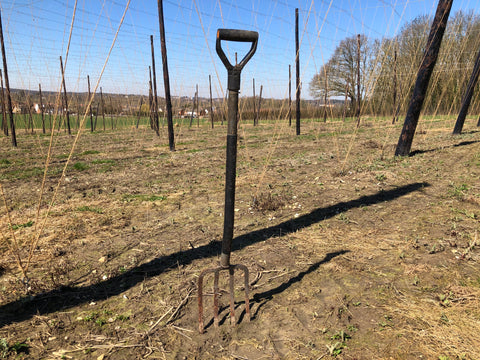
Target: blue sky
x=36, y=33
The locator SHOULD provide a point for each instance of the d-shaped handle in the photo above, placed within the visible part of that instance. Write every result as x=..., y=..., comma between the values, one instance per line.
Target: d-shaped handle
x=238, y=36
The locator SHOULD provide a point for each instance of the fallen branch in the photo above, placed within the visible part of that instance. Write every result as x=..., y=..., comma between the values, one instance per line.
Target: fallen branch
x=158, y=321
x=183, y=303
x=61, y=353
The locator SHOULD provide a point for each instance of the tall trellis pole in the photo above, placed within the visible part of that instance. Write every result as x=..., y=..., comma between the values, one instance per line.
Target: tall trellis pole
x=111, y=113
x=254, y=105
x=139, y=112
x=394, y=87
x=289, y=95
x=423, y=77
x=325, y=98
x=193, y=108
x=467, y=98
x=150, y=99
x=89, y=104
x=7, y=86
x=259, y=103
x=156, y=123
x=211, y=100
x=166, y=80
x=198, y=106
x=65, y=98
x=4, y=112
x=359, y=96
x=41, y=108
x=103, y=108
x=297, y=64
x=344, y=114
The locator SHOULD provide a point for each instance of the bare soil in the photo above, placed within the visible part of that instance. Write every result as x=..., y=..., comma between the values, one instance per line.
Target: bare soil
x=352, y=253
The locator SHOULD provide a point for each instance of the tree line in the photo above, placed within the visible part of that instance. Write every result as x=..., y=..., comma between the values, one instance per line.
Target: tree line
x=388, y=68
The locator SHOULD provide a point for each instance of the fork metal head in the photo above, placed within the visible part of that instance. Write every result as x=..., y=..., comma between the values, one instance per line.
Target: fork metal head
x=216, y=292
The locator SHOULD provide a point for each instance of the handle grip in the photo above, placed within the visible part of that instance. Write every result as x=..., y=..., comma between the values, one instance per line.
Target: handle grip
x=237, y=36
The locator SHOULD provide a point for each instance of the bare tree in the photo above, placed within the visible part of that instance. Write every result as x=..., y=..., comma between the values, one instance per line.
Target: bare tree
x=341, y=70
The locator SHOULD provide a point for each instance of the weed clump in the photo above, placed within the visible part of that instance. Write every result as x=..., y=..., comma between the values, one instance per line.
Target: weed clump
x=266, y=202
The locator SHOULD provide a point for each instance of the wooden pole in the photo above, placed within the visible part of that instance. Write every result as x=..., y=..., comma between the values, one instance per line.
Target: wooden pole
x=96, y=116
x=359, y=96
x=150, y=98
x=423, y=77
x=297, y=63
x=193, y=108
x=7, y=86
x=345, y=102
x=139, y=111
x=259, y=103
x=166, y=80
x=289, y=95
x=254, y=106
x=394, y=87
x=29, y=109
x=89, y=104
x=111, y=114
x=41, y=108
x=26, y=123
x=325, y=98
x=197, y=102
x=211, y=100
x=65, y=97
x=156, y=123
x=467, y=97
x=103, y=108
x=4, y=112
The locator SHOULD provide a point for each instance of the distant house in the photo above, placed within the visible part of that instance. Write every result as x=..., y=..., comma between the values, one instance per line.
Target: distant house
x=18, y=109
x=37, y=108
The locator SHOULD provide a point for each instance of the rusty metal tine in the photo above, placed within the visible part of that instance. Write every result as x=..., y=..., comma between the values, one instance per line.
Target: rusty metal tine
x=247, y=291
x=201, y=324
x=232, y=295
x=216, y=292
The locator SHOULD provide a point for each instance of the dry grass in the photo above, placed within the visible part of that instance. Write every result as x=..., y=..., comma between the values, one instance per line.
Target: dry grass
x=340, y=238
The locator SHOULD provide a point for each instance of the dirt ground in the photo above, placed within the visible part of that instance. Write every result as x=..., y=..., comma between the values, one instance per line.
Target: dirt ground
x=352, y=253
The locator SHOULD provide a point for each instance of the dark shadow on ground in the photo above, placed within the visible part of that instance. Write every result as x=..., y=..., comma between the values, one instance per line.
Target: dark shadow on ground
x=67, y=297
x=264, y=297
x=463, y=143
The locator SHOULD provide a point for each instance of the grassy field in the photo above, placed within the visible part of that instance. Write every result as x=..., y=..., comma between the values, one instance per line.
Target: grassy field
x=353, y=253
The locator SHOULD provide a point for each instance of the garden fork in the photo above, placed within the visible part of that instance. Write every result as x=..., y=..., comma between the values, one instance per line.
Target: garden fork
x=233, y=89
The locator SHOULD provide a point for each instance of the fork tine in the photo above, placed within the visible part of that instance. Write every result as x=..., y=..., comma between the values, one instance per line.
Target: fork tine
x=216, y=294
x=232, y=295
